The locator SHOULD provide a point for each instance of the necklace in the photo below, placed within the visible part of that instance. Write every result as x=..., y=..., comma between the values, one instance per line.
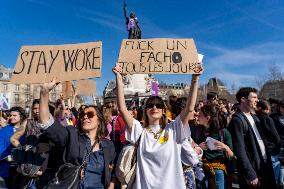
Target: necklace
x=156, y=135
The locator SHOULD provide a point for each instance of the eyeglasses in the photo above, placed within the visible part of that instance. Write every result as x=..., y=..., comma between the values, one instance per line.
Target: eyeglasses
x=158, y=106
x=88, y=114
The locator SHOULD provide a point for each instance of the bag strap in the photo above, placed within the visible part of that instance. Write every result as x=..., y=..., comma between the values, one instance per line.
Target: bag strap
x=88, y=154
x=113, y=123
x=134, y=156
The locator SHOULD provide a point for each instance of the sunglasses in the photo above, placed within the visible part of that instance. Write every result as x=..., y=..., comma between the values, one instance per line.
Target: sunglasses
x=215, y=98
x=158, y=106
x=109, y=106
x=88, y=114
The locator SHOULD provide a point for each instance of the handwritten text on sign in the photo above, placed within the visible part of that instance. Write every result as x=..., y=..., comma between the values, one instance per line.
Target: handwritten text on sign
x=39, y=64
x=160, y=56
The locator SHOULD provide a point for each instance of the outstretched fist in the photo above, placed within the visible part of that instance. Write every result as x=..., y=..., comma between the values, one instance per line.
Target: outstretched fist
x=117, y=70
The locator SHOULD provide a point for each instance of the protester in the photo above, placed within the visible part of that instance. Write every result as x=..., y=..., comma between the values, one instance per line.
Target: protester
x=7, y=170
x=31, y=156
x=278, y=119
x=271, y=135
x=64, y=114
x=253, y=161
x=89, y=136
x=212, y=98
x=158, y=155
x=274, y=105
x=191, y=155
x=216, y=143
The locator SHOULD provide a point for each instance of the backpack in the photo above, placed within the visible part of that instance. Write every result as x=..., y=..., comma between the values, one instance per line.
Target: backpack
x=126, y=165
x=30, y=158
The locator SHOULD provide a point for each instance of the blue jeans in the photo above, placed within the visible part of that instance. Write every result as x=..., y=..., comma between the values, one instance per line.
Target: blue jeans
x=220, y=179
x=281, y=176
x=276, y=168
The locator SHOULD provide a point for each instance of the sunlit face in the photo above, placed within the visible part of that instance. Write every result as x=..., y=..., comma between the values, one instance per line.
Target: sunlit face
x=15, y=117
x=200, y=105
x=134, y=112
x=90, y=119
x=63, y=111
x=202, y=119
x=251, y=101
x=35, y=110
x=154, y=113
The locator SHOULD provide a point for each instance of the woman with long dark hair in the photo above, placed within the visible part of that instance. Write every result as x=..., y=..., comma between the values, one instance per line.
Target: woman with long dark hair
x=216, y=142
x=87, y=138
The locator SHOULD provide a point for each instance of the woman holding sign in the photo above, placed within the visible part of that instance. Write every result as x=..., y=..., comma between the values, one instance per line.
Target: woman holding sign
x=159, y=151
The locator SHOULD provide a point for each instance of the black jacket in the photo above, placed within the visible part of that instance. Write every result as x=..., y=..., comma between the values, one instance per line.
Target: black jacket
x=270, y=132
x=251, y=164
x=74, y=145
x=278, y=125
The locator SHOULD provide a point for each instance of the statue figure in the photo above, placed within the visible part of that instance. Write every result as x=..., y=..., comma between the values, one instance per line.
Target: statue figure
x=132, y=27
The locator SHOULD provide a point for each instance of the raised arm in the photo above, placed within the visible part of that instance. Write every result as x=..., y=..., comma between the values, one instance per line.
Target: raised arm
x=188, y=112
x=18, y=134
x=127, y=117
x=124, y=10
x=43, y=103
x=74, y=98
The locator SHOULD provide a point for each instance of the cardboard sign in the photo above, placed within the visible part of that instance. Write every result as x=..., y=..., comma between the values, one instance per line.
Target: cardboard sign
x=39, y=64
x=67, y=89
x=159, y=56
x=86, y=87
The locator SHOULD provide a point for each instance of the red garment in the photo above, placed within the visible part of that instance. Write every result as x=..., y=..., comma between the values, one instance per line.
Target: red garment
x=119, y=130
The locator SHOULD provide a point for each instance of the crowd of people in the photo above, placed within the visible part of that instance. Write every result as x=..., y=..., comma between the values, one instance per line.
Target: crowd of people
x=179, y=142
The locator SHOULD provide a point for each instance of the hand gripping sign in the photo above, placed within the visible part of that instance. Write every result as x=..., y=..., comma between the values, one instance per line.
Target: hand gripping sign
x=159, y=56
x=39, y=64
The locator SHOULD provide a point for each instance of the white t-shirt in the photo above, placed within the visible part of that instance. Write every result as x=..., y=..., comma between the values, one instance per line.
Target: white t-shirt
x=159, y=160
x=258, y=137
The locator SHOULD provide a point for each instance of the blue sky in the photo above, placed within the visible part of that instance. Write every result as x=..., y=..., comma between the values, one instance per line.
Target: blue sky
x=239, y=39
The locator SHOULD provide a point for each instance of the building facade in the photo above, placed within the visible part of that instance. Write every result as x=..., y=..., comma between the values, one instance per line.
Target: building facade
x=20, y=94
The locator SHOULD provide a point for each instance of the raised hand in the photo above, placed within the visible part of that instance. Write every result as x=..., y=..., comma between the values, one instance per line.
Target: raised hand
x=117, y=70
x=47, y=87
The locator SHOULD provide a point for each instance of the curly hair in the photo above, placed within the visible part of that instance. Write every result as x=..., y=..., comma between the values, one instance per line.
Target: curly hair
x=22, y=112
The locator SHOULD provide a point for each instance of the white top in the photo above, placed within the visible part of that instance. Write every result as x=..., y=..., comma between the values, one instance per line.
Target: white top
x=159, y=160
x=258, y=137
x=189, y=156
